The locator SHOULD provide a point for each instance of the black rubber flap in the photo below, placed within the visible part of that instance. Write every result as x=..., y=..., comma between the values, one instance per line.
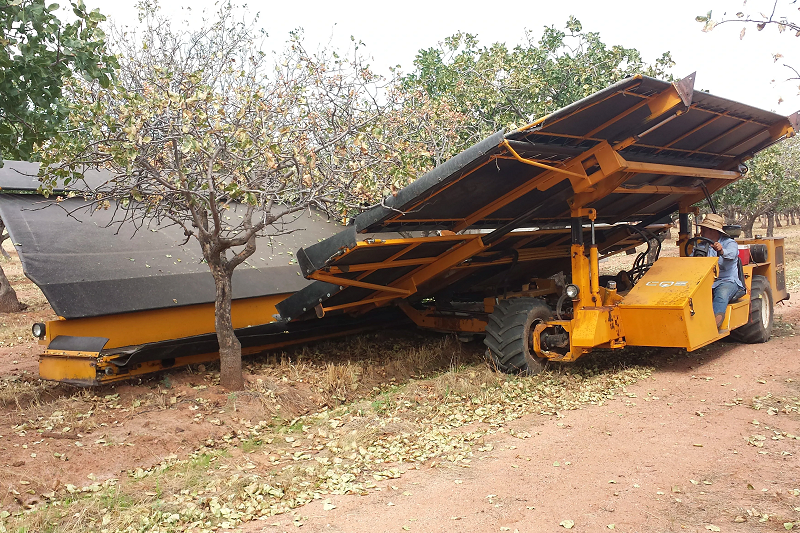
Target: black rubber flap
x=261, y=335
x=318, y=255
x=306, y=299
x=68, y=343
x=85, y=269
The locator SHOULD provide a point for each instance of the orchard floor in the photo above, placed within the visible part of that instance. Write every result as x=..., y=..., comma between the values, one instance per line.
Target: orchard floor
x=710, y=442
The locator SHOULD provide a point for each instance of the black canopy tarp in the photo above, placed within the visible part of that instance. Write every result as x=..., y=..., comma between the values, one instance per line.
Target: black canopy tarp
x=86, y=269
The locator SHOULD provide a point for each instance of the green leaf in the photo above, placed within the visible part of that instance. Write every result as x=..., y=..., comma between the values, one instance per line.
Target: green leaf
x=96, y=16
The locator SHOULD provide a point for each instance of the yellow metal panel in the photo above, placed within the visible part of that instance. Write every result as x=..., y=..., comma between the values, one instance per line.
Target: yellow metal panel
x=69, y=369
x=738, y=313
x=670, y=282
x=655, y=327
x=594, y=326
x=671, y=304
x=141, y=327
x=772, y=269
x=428, y=320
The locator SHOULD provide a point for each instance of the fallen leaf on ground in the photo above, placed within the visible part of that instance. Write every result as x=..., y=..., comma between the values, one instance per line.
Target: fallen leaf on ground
x=567, y=524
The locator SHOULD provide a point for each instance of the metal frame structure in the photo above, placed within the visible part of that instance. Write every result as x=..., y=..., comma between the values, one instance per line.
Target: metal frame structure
x=498, y=222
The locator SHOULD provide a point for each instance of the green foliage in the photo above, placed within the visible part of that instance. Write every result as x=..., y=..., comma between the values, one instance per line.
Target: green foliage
x=38, y=52
x=772, y=184
x=201, y=130
x=496, y=87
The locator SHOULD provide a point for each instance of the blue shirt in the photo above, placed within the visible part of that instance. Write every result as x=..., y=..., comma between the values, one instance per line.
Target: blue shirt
x=728, y=264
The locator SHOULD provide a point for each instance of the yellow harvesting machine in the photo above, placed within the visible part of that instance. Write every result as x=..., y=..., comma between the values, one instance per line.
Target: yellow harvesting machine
x=504, y=241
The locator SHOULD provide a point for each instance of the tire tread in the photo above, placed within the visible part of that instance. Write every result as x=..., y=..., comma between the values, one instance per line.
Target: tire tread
x=505, y=333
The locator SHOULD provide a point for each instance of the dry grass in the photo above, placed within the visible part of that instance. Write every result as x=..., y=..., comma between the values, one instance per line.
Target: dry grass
x=792, y=256
x=33, y=395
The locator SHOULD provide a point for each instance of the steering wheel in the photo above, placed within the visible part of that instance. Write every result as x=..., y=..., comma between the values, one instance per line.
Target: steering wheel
x=697, y=251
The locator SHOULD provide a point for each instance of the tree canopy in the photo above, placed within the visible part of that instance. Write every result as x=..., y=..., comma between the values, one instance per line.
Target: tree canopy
x=38, y=51
x=771, y=185
x=497, y=87
x=203, y=130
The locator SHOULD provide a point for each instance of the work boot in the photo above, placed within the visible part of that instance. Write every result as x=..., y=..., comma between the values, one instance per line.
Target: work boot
x=719, y=318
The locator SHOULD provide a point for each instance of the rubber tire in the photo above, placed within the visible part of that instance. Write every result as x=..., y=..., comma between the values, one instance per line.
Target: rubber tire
x=507, y=334
x=759, y=326
x=759, y=253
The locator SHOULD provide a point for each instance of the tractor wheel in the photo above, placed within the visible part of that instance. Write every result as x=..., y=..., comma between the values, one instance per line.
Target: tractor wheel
x=759, y=326
x=508, y=335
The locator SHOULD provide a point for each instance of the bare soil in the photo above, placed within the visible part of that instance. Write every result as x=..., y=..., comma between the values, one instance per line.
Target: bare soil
x=710, y=441
x=673, y=441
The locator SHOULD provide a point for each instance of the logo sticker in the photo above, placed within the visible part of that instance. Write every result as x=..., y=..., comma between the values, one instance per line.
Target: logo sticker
x=666, y=284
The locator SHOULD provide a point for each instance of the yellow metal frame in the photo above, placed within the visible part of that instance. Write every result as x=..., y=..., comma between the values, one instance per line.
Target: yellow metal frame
x=91, y=369
x=142, y=327
x=656, y=317
x=771, y=269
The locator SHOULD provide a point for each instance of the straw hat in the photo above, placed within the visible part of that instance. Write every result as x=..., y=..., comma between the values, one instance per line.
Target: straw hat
x=713, y=221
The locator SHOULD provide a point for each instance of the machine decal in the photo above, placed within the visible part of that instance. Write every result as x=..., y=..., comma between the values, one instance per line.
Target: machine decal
x=665, y=284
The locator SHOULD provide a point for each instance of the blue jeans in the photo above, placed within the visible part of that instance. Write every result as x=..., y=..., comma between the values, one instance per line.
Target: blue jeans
x=723, y=294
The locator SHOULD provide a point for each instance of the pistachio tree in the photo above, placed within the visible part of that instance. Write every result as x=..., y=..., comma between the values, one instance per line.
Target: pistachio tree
x=500, y=87
x=38, y=51
x=205, y=131
x=771, y=186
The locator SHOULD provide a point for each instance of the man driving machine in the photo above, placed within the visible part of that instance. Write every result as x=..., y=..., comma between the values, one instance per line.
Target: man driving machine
x=727, y=287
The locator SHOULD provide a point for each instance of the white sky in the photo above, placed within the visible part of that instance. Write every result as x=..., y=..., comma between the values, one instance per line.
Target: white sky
x=742, y=70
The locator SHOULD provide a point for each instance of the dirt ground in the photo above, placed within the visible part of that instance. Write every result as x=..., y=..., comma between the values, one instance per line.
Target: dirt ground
x=710, y=442
x=408, y=431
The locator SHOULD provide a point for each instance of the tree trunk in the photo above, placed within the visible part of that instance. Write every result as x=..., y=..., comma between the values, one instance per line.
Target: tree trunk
x=8, y=298
x=770, y=224
x=747, y=225
x=791, y=218
x=230, y=349
x=778, y=220
x=3, y=237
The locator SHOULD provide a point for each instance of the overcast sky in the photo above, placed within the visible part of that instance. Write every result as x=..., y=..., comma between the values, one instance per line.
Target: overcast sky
x=742, y=70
